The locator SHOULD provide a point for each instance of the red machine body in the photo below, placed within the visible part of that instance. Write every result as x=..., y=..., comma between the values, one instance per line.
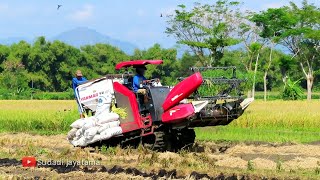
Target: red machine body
x=182, y=90
x=178, y=113
x=165, y=120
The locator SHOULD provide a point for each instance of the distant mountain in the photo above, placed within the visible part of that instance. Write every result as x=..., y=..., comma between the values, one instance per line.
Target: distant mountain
x=84, y=36
x=78, y=37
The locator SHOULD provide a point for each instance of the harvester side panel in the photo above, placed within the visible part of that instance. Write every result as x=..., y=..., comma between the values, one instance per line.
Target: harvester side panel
x=158, y=95
x=126, y=99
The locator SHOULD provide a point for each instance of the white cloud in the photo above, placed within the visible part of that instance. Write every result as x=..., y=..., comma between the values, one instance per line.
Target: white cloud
x=83, y=14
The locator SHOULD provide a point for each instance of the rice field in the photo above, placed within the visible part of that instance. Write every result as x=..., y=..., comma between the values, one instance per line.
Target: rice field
x=34, y=116
x=38, y=128
x=272, y=121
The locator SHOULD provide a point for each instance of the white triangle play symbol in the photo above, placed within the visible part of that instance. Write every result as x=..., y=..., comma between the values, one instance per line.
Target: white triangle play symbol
x=28, y=161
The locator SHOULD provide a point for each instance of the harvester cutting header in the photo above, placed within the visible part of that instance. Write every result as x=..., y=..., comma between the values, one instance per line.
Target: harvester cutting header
x=164, y=121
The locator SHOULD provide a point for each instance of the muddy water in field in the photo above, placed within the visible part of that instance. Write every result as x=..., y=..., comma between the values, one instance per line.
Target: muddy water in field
x=217, y=157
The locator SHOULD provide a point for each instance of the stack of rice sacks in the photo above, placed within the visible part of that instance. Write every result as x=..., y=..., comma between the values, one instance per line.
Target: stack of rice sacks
x=102, y=126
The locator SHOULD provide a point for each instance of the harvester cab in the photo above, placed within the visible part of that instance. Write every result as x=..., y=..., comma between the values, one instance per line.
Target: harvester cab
x=140, y=114
x=144, y=108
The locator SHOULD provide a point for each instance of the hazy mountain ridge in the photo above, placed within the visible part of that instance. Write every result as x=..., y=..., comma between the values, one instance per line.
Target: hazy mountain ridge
x=79, y=37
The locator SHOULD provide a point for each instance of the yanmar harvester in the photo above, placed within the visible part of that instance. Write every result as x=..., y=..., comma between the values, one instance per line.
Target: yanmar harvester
x=167, y=120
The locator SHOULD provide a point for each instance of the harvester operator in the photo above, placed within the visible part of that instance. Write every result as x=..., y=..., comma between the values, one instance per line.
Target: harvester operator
x=139, y=80
x=79, y=79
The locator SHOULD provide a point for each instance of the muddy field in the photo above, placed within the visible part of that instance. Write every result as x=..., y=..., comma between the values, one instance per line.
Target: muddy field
x=205, y=161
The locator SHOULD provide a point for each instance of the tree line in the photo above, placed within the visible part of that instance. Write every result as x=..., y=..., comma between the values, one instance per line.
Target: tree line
x=210, y=29
x=276, y=49
x=49, y=66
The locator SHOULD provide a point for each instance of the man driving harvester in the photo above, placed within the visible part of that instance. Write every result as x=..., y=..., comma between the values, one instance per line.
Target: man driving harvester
x=139, y=80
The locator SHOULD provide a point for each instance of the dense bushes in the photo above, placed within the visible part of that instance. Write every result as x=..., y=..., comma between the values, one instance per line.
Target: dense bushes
x=54, y=95
x=6, y=94
x=292, y=91
x=44, y=70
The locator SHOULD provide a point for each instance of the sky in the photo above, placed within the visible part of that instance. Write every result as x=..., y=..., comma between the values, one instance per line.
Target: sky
x=138, y=21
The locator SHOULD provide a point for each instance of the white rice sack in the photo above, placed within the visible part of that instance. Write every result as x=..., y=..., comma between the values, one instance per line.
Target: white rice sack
x=80, y=142
x=90, y=133
x=96, y=138
x=74, y=143
x=78, y=123
x=105, y=136
x=108, y=125
x=91, y=118
x=108, y=133
x=112, y=131
x=91, y=122
x=109, y=117
x=72, y=133
x=101, y=115
x=79, y=133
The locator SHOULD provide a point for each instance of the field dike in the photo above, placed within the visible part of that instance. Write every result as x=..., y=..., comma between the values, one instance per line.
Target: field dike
x=207, y=160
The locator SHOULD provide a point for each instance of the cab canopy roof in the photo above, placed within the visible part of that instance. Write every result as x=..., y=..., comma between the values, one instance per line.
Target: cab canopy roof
x=137, y=63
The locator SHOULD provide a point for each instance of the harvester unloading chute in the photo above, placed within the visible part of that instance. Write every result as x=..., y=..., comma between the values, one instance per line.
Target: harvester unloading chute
x=182, y=90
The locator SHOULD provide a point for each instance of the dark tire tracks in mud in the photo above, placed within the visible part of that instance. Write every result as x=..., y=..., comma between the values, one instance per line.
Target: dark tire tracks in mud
x=162, y=173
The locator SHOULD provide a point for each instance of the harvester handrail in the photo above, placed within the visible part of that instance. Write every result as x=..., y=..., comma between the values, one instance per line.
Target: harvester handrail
x=219, y=97
x=223, y=80
x=199, y=69
x=212, y=68
x=78, y=99
x=218, y=80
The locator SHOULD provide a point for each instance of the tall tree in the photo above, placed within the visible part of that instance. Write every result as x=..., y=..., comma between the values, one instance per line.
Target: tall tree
x=253, y=44
x=168, y=71
x=206, y=29
x=303, y=39
x=273, y=22
x=4, y=53
x=14, y=77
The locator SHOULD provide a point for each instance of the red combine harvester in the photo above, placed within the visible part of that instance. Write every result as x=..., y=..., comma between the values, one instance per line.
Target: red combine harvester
x=166, y=122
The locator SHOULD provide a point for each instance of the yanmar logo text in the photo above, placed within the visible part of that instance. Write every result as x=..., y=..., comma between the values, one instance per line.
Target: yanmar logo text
x=89, y=97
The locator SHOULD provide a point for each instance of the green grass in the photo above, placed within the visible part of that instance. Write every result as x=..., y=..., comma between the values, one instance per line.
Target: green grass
x=275, y=95
x=40, y=117
x=255, y=134
x=272, y=121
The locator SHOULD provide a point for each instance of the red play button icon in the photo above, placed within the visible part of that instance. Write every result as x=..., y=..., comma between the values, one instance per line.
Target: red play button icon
x=29, y=162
